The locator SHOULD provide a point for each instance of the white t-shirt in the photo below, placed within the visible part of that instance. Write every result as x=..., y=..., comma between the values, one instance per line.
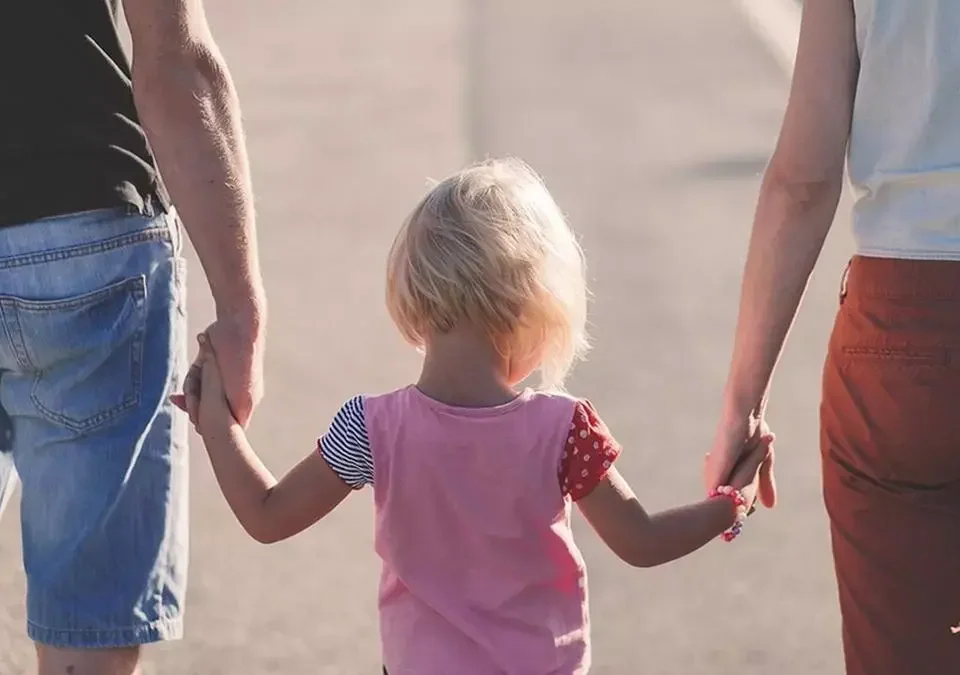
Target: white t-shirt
x=904, y=152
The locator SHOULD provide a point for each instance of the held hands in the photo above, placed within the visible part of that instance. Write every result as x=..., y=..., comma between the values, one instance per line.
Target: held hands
x=730, y=451
x=239, y=352
x=747, y=475
x=207, y=400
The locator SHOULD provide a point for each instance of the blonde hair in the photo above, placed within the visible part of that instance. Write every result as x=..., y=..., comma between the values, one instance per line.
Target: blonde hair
x=489, y=245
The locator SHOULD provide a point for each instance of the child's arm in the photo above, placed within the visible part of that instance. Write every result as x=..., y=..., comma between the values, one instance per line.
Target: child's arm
x=268, y=510
x=644, y=540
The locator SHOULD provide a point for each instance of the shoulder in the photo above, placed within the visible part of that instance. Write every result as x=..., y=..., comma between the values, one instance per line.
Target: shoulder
x=586, y=425
x=366, y=409
x=589, y=452
x=399, y=396
x=349, y=427
x=353, y=408
x=559, y=402
x=346, y=445
x=388, y=406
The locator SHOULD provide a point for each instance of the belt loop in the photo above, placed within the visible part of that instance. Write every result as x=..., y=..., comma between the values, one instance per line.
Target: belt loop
x=843, y=281
x=148, y=210
x=176, y=229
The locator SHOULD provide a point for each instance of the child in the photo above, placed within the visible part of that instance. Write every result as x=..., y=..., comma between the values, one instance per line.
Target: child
x=472, y=476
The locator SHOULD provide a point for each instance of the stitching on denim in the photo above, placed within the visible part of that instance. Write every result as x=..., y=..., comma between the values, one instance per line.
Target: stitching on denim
x=14, y=331
x=133, y=289
x=135, y=286
x=152, y=625
x=169, y=628
x=150, y=234
x=180, y=283
x=5, y=320
x=92, y=422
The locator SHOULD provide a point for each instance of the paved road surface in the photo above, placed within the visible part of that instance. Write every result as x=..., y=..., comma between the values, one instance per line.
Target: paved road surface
x=651, y=121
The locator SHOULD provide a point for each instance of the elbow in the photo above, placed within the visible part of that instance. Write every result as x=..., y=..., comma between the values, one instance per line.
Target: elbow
x=799, y=192
x=262, y=534
x=180, y=77
x=640, y=563
x=262, y=525
x=643, y=561
x=265, y=538
x=641, y=557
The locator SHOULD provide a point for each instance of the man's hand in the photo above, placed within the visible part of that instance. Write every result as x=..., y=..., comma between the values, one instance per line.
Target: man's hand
x=239, y=352
x=730, y=445
x=239, y=349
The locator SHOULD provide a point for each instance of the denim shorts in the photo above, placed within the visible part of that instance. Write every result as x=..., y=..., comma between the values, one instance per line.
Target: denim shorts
x=92, y=344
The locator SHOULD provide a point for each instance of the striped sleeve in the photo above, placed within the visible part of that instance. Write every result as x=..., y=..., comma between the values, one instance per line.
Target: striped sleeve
x=346, y=446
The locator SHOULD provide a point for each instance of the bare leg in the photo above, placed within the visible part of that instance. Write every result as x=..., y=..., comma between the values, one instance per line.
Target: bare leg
x=56, y=661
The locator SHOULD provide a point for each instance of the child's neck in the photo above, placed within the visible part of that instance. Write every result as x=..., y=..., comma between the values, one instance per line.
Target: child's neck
x=461, y=368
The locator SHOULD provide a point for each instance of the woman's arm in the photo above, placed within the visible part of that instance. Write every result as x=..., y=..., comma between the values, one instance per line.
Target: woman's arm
x=798, y=200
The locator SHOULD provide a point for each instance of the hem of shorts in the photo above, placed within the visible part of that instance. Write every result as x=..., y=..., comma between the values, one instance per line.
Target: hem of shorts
x=902, y=254
x=107, y=638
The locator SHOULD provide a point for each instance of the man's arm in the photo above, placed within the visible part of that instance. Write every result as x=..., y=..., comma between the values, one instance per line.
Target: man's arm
x=190, y=112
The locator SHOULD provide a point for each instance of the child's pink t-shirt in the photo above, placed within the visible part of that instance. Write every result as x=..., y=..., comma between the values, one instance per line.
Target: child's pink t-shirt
x=480, y=575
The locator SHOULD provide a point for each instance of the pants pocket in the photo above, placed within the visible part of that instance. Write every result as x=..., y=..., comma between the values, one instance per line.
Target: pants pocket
x=85, y=352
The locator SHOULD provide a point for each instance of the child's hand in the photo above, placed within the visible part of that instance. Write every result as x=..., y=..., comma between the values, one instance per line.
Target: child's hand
x=746, y=474
x=214, y=412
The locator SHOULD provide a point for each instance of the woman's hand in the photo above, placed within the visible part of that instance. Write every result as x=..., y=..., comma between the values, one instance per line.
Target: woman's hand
x=753, y=467
x=735, y=446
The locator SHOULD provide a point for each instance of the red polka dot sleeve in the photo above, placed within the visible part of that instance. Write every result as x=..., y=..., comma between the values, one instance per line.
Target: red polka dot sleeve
x=589, y=453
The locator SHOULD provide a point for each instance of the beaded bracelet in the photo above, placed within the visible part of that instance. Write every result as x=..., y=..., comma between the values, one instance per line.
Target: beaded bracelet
x=739, y=502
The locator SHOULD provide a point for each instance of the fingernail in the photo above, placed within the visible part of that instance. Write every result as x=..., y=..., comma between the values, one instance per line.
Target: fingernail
x=201, y=338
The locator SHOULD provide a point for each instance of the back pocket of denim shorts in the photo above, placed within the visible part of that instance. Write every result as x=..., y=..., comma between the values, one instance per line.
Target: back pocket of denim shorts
x=85, y=352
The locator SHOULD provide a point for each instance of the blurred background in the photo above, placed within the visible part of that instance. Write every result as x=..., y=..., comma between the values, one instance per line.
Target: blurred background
x=651, y=122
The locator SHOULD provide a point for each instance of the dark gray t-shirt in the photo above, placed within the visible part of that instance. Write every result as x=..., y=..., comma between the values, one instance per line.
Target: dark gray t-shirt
x=70, y=138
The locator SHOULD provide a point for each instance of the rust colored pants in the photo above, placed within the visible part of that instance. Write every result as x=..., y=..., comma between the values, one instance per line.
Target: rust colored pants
x=890, y=444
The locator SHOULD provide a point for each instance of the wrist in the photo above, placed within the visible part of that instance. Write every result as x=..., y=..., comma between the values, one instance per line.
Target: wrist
x=737, y=510
x=219, y=428
x=739, y=416
x=248, y=314
x=736, y=409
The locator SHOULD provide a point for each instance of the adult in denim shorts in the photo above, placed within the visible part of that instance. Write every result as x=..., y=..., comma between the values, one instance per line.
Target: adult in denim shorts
x=92, y=314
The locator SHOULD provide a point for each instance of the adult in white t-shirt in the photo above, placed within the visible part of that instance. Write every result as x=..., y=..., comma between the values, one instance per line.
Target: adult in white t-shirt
x=877, y=84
